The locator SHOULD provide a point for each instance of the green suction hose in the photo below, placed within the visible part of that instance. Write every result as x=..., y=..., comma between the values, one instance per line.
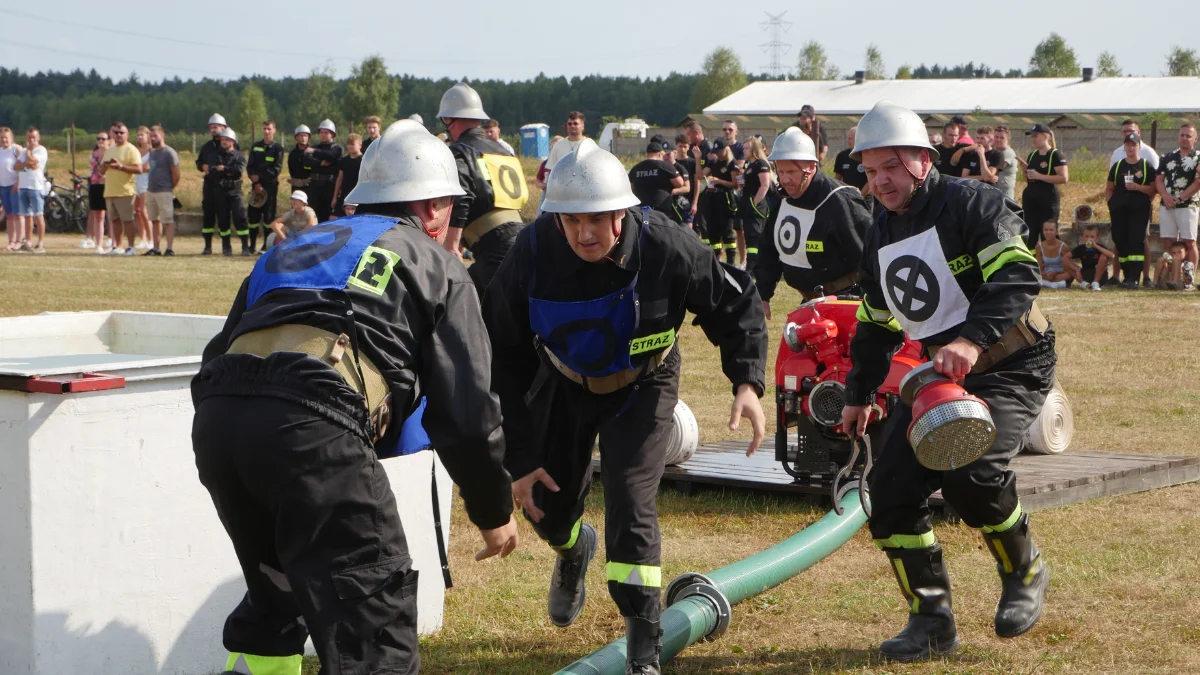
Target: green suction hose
x=699, y=605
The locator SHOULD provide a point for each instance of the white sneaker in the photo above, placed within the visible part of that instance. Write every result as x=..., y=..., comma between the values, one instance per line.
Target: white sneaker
x=143, y=245
x=1096, y=286
x=108, y=242
x=1046, y=284
x=130, y=251
x=87, y=243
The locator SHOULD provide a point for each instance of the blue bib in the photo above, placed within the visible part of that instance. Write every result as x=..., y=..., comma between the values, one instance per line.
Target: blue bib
x=322, y=257
x=592, y=337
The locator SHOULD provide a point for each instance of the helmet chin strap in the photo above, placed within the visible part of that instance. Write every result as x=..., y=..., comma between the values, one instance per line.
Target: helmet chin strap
x=920, y=180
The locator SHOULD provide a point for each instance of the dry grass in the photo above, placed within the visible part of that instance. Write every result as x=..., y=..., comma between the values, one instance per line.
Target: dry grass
x=1125, y=595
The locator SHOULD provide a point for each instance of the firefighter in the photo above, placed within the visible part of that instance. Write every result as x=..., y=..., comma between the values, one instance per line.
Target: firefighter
x=263, y=169
x=814, y=239
x=314, y=375
x=227, y=194
x=947, y=263
x=323, y=160
x=299, y=171
x=488, y=218
x=205, y=160
x=583, y=316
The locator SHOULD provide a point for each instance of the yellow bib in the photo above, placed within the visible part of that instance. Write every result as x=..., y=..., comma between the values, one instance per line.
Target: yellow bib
x=507, y=180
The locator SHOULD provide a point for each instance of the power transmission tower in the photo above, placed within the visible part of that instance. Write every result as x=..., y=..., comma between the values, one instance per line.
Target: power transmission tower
x=776, y=48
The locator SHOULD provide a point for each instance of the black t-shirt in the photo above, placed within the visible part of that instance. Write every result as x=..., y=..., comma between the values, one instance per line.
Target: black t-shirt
x=705, y=148
x=349, y=166
x=945, y=156
x=1044, y=163
x=970, y=161
x=851, y=171
x=722, y=170
x=739, y=150
x=1140, y=173
x=751, y=172
x=1088, y=258
x=651, y=182
x=682, y=167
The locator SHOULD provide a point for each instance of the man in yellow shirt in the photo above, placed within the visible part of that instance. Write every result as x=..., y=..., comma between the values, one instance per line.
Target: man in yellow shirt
x=122, y=161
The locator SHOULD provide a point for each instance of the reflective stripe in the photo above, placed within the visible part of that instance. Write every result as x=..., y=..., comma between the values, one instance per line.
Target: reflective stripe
x=242, y=233
x=907, y=541
x=1021, y=254
x=865, y=314
x=206, y=230
x=574, y=537
x=751, y=250
x=985, y=256
x=1132, y=258
x=649, y=576
x=1032, y=571
x=249, y=664
x=1002, y=555
x=1007, y=524
x=903, y=577
x=718, y=246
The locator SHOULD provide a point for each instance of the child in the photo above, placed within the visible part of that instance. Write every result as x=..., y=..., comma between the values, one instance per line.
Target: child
x=1054, y=258
x=1169, y=274
x=1093, y=259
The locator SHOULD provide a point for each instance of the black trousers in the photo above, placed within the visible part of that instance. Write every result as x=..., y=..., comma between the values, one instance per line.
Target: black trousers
x=1130, y=221
x=721, y=217
x=489, y=252
x=314, y=524
x=1038, y=207
x=208, y=205
x=985, y=491
x=320, y=195
x=634, y=427
x=231, y=207
x=263, y=215
x=754, y=220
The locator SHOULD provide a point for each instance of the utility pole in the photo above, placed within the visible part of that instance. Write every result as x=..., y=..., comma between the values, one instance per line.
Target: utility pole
x=776, y=48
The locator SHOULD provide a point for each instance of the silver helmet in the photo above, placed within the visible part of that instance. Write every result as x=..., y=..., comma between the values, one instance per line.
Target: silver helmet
x=888, y=125
x=589, y=180
x=461, y=102
x=406, y=164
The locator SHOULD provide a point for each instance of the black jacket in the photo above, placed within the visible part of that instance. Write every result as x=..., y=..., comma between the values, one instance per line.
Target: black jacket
x=208, y=155
x=983, y=240
x=424, y=333
x=298, y=166
x=232, y=160
x=266, y=162
x=841, y=226
x=479, y=199
x=325, y=152
x=677, y=274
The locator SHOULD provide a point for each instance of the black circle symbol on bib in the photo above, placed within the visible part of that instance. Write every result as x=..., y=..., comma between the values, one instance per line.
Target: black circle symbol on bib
x=510, y=182
x=913, y=287
x=597, y=327
x=789, y=235
x=308, y=249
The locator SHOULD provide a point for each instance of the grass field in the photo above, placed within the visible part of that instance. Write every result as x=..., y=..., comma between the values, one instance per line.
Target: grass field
x=1125, y=593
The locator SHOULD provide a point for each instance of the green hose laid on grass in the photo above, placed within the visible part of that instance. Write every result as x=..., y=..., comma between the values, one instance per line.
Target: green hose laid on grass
x=699, y=605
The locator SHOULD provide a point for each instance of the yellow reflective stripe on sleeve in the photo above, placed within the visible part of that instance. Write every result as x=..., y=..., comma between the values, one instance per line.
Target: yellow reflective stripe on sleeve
x=904, y=585
x=985, y=256
x=1007, y=524
x=249, y=664
x=574, y=537
x=270, y=159
x=867, y=315
x=1021, y=254
x=649, y=576
x=652, y=342
x=907, y=541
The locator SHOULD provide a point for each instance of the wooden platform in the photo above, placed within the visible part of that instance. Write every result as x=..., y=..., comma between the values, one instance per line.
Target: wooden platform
x=1043, y=481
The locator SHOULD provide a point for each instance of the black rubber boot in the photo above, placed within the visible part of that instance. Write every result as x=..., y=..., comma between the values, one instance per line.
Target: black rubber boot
x=643, y=644
x=253, y=238
x=246, y=250
x=567, y=589
x=1024, y=575
x=226, y=247
x=923, y=580
x=207, y=244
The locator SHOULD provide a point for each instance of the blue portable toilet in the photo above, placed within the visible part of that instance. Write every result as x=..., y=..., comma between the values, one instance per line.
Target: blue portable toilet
x=535, y=140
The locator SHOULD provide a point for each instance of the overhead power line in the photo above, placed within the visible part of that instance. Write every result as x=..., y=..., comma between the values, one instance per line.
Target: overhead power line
x=775, y=47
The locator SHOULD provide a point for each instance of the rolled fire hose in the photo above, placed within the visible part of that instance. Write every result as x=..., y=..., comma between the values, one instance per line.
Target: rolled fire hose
x=685, y=435
x=699, y=605
x=1053, y=428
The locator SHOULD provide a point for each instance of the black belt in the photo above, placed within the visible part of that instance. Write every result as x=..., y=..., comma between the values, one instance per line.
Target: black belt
x=230, y=183
x=321, y=178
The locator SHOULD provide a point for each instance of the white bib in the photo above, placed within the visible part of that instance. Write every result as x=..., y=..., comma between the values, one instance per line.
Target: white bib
x=919, y=287
x=792, y=227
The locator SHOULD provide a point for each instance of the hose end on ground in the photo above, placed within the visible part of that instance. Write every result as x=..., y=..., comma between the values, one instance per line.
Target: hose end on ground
x=694, y=584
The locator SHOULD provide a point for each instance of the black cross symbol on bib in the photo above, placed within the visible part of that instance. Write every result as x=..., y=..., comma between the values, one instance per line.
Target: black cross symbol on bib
x=913, y=287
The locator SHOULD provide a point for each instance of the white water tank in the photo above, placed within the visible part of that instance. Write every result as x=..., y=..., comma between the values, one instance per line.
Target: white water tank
x=112, y=559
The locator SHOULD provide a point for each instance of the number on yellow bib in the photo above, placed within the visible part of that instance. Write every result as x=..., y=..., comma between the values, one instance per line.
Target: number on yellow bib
x=507, y=180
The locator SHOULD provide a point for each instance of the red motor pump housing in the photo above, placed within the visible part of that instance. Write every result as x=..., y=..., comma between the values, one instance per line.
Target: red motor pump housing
x=810, y=381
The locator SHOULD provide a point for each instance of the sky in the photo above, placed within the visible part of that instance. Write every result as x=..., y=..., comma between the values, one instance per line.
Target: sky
x=513, y=40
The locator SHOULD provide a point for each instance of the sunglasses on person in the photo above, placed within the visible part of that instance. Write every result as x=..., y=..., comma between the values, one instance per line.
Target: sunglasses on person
x=102, y=138
x=121, y=133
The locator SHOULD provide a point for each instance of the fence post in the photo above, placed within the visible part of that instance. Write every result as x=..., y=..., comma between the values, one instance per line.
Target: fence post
x=193, y=143
x=72, y=148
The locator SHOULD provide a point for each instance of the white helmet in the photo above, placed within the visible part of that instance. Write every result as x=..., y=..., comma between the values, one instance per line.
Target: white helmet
x=416, y=117
x=228, y=133
x=327, y=125
x=793, y=144
x=217, y=119
x=461, y=102
x=406, y=164
x=888, y=125
x=589, y=180
x=302, y=129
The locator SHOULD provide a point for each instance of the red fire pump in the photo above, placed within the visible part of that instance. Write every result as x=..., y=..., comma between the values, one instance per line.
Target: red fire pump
x=810, y=391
